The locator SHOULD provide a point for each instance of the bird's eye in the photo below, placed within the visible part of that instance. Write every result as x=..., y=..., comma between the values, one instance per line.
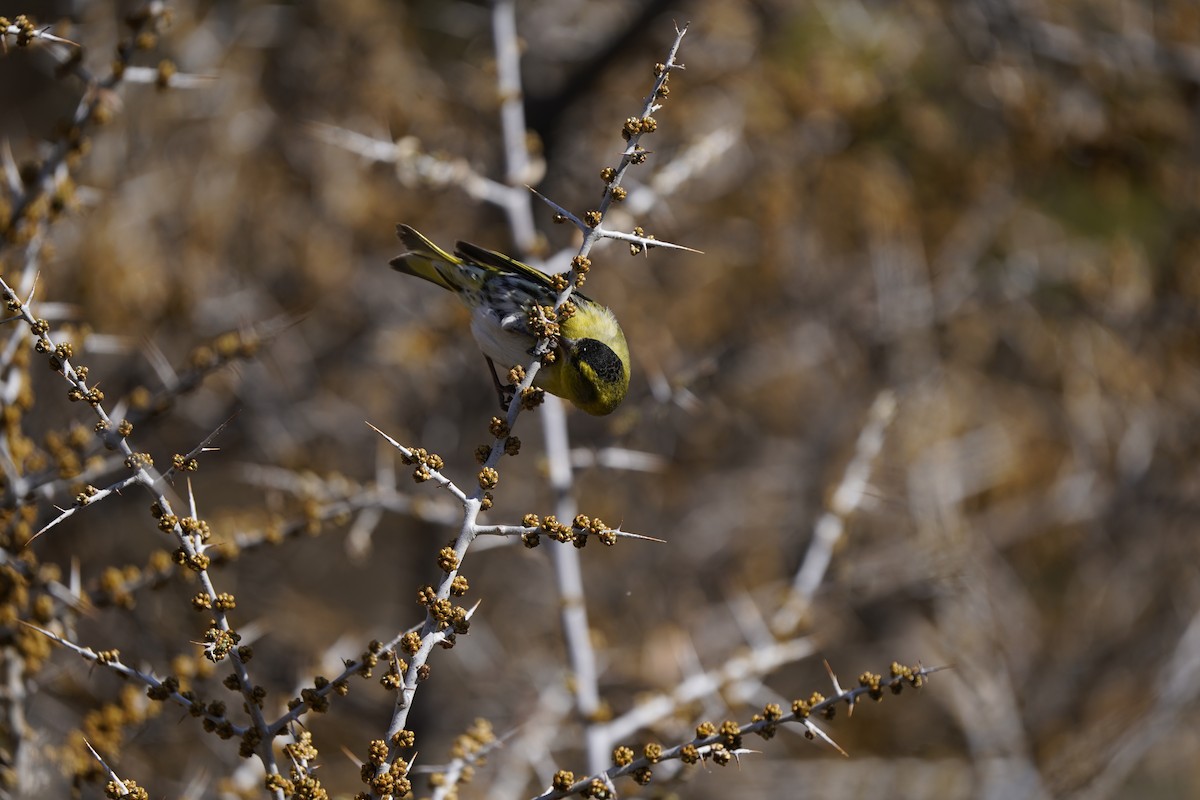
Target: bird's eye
x=601, y=358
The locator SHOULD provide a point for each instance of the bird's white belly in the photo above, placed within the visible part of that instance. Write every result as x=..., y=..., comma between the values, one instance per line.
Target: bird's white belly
x=502, y=339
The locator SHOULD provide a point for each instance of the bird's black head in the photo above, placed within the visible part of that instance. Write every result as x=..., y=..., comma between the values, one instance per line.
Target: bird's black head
x=605, y=363
x=599, y=378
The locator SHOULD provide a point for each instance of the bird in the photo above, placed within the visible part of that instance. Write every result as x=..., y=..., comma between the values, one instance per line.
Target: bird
x=590, y=365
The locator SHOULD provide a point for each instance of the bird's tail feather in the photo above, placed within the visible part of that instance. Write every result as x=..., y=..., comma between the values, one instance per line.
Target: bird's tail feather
x=425, y=259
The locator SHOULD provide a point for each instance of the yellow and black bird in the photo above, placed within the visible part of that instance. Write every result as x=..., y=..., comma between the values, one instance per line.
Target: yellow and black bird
x=591, y=364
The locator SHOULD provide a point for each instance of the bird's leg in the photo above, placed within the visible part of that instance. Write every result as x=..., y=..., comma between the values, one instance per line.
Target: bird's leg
x=505, y=393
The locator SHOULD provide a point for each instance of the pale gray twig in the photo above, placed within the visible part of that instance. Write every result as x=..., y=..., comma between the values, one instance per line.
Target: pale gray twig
x=847, y=497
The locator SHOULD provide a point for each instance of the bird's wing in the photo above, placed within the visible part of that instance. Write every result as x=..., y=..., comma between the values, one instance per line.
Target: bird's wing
x=490, y=259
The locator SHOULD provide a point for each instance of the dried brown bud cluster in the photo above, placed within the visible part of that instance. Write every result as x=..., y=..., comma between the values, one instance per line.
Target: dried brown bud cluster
x=426, y=463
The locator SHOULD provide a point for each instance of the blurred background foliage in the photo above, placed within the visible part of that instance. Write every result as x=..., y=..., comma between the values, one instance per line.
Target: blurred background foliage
x=989, y=207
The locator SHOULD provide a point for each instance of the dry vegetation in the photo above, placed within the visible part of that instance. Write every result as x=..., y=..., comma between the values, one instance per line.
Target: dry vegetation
x=984, y=213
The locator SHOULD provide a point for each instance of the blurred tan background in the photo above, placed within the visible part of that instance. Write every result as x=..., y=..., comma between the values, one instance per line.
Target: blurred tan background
x=988, y=208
